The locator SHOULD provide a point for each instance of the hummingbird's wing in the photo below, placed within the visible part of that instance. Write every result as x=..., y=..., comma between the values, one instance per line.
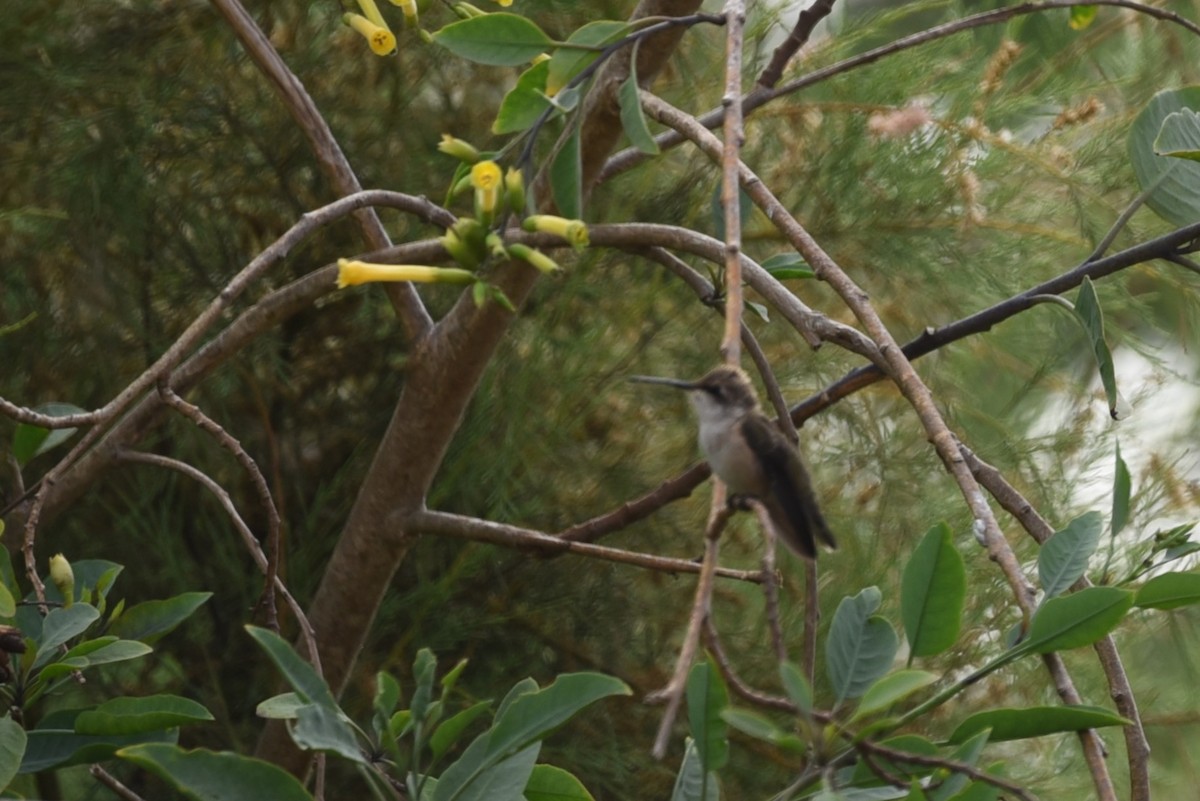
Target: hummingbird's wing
x=790, y=499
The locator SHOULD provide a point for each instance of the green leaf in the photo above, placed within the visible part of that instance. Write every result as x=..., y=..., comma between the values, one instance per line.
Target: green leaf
x=566, y=183
x=523, y=687
x=1064, y=557
x=30, y=441
x=567, y=62
x=60, y=625
x=284, y=706
x=1175, y=183
x=387, y=697
x=534, y=715
x=1082, y=16
x=860, y=646
x=525, y=102
x=61, y=747
x=1169, y=591
x=149, y=621
x=761, y=728
x=319, y=728
x=12, y=749
x=892, y=688
x=138, y=715
x=481, y=776
x=1087, y=310
x=448, y=732
x=424, y=670
x=692, y=783
x=499, y=40
x=304, y=680
x=1075, y=620
x=633, y=119
x=204, y=775
x=8, y=604
x=932, y=593
x=548, y=783
x=119, y=651
x=1179, y=136
x=706, y=697
x=452, y=676
x=1122, y=489
x=783, y=266
x=795, y=684
x=1037, y=721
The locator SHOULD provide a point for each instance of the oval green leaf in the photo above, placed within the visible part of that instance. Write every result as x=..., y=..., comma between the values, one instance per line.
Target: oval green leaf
x=1064, y=557
x=932, y=593
x=1038, y=721
x=860, y=646
x=204, y=775
x=892, y=688
x=1175, y=182
x=1091, y=317
x=500, y=40
x=548, y=783
x=137, y=715
x=149, y=621
x=12, y=749
x=707, y=696
x=1078, y=619
x=1169, y=591
x=1179, y=136
x=525, y=102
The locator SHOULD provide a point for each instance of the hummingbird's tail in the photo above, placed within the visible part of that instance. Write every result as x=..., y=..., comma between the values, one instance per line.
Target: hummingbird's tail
x=798, y=520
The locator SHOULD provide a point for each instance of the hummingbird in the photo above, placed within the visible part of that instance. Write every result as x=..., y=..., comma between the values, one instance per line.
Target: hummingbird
x=752, y=457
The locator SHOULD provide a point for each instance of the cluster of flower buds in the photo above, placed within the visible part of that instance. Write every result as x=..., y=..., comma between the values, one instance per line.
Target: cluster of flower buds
x=474, y=241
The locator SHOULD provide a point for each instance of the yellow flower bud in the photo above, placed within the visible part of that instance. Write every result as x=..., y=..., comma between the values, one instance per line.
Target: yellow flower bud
x=495, y=244
x=535, y=257
x=353, y=272
x=503, y=3
x=539, y=58
x=382, y=41
x=63, y=578
x=409, y=7
x=514, y=190
x=574, y=231
x=460, y=250
x=461, y=150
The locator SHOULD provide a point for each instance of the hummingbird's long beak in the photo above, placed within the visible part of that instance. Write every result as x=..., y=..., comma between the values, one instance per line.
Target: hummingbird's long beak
x=670, y=382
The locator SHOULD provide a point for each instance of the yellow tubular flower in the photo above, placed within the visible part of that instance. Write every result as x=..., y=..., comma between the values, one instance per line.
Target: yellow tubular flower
x=487, y=180
x=353, y=272
x=486, y=175
x=535, y=257
x=63, y=577
x=382, y=41
x=574, y=231
x=371, y=12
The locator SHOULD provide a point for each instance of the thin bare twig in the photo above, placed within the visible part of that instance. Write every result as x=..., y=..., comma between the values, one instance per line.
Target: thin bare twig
x=229, y=443
x=112, y=783
x=801, y=31
x=731, y=102
x=701, y=608
x=954, y=765
x=256, y=553
x=741, y=689
x=471, y=528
